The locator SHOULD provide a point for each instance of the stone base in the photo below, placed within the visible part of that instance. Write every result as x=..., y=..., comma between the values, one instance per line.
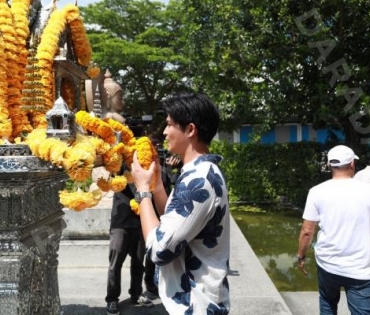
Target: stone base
x=92, y=223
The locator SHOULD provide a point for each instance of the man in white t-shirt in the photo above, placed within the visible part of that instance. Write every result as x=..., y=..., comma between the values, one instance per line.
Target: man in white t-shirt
x=341, y=208
x=364, y=174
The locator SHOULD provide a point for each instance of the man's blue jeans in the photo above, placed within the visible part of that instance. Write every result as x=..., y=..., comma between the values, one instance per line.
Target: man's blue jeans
x=357, y=292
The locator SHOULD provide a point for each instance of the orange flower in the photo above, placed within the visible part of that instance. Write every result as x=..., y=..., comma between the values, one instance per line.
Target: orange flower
x=112, y=161
x=80, y=200
x=118, y=183
x=135, y=206
x=34, y=139
x=128, y=152
x=146, y=154
x=103, y=184
x=93, y=72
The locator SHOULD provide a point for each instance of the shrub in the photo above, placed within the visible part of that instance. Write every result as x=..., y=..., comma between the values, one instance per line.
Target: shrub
x=259, y=173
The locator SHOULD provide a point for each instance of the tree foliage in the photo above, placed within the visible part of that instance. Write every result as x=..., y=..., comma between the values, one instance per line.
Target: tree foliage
x=260, y=66
x=262, y=62
x=140, y=42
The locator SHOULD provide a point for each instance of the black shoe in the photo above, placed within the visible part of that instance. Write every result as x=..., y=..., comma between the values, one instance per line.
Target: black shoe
x=112, y=308
x=151, y=295
x=142, y=301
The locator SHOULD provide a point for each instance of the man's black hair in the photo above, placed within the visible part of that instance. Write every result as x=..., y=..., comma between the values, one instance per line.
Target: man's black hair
x=185, y=108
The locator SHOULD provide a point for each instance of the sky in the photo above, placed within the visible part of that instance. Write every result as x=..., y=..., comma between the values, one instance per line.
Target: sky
x=80, y=3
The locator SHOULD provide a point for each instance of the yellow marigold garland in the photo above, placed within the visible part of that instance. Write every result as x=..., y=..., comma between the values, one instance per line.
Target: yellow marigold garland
x=146, y=154
x=80, y=40
x=80, y=200
x=96, y=126
x=78, y=158
x=126, y=132
x=5, y=22
x=20, y=122
x=79, y=161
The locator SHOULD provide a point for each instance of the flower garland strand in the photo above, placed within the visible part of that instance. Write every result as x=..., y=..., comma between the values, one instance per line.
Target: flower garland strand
x=146, y=154
x=96, y=126
x=81, y=44
x=77, y=161
x=20, y=121
x=5, y=121
x=8, y=54
x=46, y=51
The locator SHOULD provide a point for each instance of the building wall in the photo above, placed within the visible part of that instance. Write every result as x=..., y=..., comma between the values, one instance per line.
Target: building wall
x=282, y=134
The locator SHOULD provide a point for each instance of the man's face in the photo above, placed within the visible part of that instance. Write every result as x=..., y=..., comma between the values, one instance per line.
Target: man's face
x=177, y=139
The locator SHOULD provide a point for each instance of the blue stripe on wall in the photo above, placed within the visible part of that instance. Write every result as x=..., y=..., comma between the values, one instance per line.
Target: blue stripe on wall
x=244, y=133
x=322, y=135
x=293, y=133
x=305, y=133
x=268, y=137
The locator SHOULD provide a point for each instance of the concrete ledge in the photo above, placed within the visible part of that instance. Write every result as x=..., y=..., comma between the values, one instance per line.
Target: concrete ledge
x=87, y=224
x=251, y=289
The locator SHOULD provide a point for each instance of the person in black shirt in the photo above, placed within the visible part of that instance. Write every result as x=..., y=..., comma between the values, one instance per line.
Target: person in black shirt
x=126, y=238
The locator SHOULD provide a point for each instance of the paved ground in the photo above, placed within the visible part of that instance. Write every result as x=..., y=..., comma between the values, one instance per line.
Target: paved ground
x=307, y=303
x=83, y=267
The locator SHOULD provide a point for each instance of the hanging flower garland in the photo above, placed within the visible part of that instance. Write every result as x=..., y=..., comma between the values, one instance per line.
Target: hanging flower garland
x=78, y=160
x=46, y=50
x=96, y=126
x=116, y=184
x=7, y=54
x=80, y=40
x=80, y=200
x=146, y=154
x=5, y=121
x=30, y=85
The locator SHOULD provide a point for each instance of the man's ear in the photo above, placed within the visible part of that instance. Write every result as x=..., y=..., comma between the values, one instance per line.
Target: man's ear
x=192, y=130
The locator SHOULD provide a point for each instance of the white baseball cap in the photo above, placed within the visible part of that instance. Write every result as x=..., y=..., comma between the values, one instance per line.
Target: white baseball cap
x=341, y=155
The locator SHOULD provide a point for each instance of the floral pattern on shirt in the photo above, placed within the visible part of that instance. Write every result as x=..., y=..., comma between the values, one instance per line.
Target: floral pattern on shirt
x=213, y=229
x=167, y=255
x=185, y=196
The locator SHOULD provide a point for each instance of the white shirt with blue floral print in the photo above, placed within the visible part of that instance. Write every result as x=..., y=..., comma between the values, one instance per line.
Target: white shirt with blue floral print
x=191, y=246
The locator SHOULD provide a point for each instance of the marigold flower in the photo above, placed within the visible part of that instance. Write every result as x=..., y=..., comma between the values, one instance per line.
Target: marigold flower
x=80, y=200
x=103, y=184
x=46, y=147
x=135, y=206
x=146, y=154
x=57, y=153
x=112, y=161
x=101, y=147
x=118, y=183
x=34, y=139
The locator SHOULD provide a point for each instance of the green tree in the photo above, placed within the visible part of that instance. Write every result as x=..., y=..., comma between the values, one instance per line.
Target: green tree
x=255, y=59
x=141, y=43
